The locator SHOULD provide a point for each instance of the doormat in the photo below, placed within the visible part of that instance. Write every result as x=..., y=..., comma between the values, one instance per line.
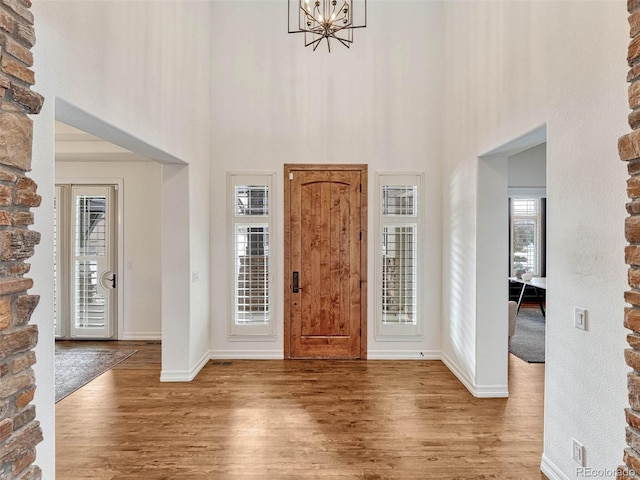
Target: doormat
x=77, y=367
x=528, y=341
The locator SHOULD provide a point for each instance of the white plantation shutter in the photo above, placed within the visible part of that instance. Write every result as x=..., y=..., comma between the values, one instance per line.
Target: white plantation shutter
x=525, y=226
x=397, y=264
x=399, y=274
x=251, y=283
x=252, y=274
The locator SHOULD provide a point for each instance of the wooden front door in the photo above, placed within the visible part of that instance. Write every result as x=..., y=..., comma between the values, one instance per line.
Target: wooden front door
x=325, y=254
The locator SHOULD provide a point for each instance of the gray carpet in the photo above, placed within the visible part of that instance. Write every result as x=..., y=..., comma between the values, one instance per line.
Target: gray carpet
x=77, y=367
x=528, y=341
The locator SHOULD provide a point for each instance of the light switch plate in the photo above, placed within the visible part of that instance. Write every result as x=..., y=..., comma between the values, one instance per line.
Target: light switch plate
x=580, y=318
x=577, y=452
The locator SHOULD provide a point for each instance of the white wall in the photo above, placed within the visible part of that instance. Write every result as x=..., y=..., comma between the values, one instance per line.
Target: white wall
x=141, y=199
x=512, y=67
x=438, y=86
x=275, y=102
x=137, y=72
x=528, y=169
x=42, y=274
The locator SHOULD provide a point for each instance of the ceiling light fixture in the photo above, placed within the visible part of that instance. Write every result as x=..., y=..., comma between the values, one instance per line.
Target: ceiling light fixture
x=320, y=19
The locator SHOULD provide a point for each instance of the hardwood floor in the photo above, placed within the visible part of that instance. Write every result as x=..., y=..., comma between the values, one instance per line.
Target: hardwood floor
x=370, y=420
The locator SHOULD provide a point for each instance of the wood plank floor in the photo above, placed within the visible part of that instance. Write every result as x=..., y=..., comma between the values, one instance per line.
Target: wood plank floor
x=370, y=420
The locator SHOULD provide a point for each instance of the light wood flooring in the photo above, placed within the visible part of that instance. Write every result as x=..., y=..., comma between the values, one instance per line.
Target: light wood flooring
x=367, y=420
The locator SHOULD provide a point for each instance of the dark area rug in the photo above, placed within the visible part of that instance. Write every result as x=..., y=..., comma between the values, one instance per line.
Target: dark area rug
x=528, y=341
x=77, y=367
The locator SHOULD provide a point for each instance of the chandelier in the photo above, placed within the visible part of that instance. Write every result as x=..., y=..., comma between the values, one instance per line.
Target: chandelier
x=330, y=19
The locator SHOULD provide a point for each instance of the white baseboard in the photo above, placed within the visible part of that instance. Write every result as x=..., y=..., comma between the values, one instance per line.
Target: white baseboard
x=403, y=355
x=246, y=354
x=279, y=355
x=462, y=376
x=479, y=391
x=141, y=336
x=184, y=375
x=551, y=470
x=491, y=391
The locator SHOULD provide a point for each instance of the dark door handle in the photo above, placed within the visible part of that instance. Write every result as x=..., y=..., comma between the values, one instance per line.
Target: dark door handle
x=296, y=282
x=108, y=282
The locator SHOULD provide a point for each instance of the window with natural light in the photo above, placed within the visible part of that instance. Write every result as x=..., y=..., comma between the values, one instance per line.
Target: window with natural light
x=526, y=229
x=399, y=219
x=252, y=285
x=399, y=268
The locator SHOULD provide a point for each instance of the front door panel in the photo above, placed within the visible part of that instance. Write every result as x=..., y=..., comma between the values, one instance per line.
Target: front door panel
x=324, y=287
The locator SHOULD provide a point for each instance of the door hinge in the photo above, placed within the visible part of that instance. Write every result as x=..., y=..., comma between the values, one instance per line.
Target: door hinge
x=360, y=283
x=360, y=188
x=290, y=175
x=361, y=236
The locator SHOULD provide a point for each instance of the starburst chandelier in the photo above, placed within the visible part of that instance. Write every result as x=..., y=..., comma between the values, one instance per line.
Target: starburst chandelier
x=320, y=19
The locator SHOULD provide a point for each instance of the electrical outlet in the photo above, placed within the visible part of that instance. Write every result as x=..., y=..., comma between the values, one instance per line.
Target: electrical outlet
x=580, y=318
x=577, y=452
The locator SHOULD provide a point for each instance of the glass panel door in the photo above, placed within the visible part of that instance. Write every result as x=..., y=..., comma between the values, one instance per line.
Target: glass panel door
x=92, y=274
x=85, y=276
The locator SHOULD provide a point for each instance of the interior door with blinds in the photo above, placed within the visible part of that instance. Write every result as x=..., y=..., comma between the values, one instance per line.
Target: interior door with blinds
x=86, y=277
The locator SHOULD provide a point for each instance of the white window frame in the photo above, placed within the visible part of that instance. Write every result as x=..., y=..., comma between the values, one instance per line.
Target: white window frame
x=409, y=331
x=526, y=195
x=236, y=331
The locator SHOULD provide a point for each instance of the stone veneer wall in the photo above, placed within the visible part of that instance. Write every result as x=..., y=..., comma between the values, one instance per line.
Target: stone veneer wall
x=629, y=149
x=20, y=432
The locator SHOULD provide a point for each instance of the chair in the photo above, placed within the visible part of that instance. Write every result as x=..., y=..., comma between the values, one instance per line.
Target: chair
x=513, y=313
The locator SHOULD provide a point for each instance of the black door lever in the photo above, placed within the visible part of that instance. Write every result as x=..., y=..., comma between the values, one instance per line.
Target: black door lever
x=296, y=282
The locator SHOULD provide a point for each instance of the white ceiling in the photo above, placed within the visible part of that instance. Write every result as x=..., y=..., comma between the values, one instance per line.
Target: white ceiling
x=73, y=145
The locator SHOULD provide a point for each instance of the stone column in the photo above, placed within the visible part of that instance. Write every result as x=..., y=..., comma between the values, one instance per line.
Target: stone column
x=19, y=430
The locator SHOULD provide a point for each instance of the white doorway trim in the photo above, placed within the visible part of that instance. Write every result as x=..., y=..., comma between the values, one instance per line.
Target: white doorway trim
x=175, y=252
x=72, y=115
x=492, y=231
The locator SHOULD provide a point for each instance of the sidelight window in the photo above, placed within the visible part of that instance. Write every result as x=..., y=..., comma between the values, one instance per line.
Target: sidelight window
x=252, y=288
x=398, y=272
